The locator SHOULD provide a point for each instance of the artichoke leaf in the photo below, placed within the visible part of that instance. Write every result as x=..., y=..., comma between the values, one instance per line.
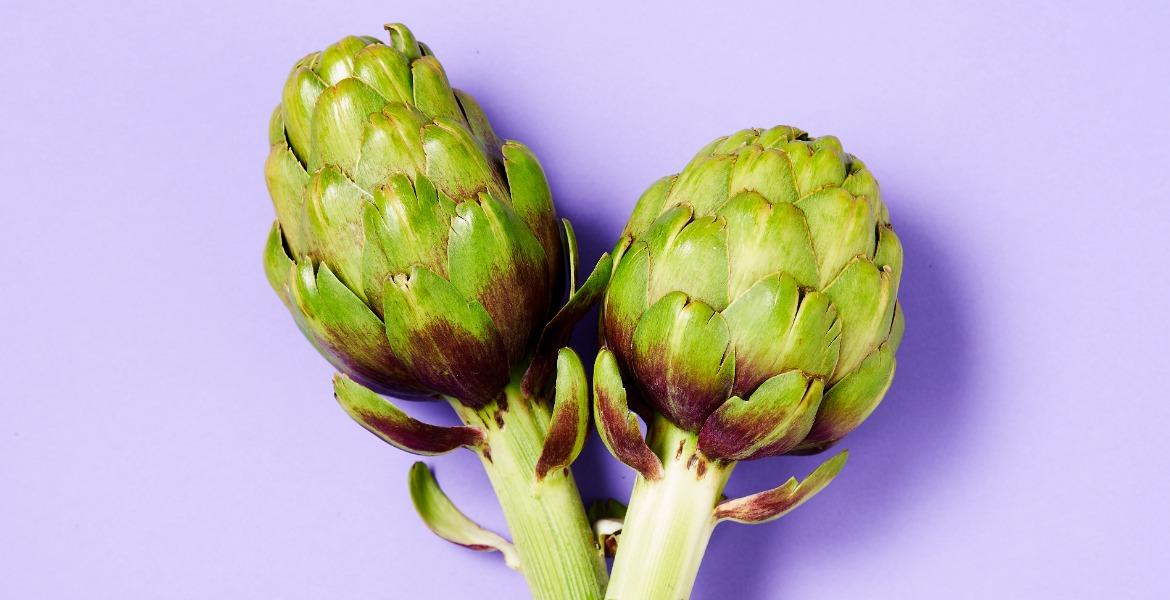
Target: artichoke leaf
x=493, y=258
x=557, y=331
x=385, y=70
x=456, y=163
x=339, y=119
x=380, y=417
x=432, y=92
x=403, y=40
x=446, y=521
x=683, y=359
x=775, y=503
x=446, y=340
x=477, y=121
x=277, y=264
x=347, y=332
x=850, y=401
x=617, y=426
x=570, y=416
x=776, y=417
x=532, y=199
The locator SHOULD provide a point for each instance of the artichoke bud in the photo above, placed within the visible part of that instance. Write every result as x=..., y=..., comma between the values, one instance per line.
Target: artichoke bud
x=754, y=299
x=417, y=254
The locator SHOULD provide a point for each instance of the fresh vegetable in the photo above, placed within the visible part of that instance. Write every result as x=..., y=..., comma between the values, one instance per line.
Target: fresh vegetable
x=423, y=258
x=752, y=312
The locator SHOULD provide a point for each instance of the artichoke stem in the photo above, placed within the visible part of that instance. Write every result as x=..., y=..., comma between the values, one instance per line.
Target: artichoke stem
x=669, y=521
x=559, y=556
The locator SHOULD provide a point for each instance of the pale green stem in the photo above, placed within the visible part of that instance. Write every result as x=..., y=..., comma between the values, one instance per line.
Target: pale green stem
x=559, y=556
x=669, y=521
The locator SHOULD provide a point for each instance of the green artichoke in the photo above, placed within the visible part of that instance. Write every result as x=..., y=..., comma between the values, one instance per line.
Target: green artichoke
x=754, y=295
x=423, y=258
x=752, y=311
x=415, y=251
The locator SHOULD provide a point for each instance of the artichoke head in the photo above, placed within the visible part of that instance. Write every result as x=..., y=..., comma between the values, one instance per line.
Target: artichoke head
x=753, y=300
x=414, y=250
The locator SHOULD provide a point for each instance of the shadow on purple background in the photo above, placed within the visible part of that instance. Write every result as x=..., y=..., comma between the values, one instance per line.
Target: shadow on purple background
x=913, y=436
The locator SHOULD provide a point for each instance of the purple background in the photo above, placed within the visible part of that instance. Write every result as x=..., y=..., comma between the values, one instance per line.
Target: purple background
x=166, y=433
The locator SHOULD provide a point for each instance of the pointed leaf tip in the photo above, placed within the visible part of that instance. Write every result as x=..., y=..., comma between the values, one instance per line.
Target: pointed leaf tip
x=442, y=517
x=616, y=424
x=557, y=331
x=380, y=417
x=570, y=417
x=774, y=503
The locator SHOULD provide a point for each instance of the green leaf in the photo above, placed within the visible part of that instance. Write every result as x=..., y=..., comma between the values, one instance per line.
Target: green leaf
x=734, y=142
x=766, y=172
x=298, y=100
x=779, y=501
x=407, y=225
x=703, y=184
x=391, y=143
x=888, y=254
x=861, y=183
x=339, y=120
x=348, y=333
x=692, y=260
x=626, y=300
x=557, y=331
x=532, y=200
x=841, y=227
x=617, y=426
x=649, y=206
x=447, y=341
x=334, y=217
x=850, y=401
x=403, y=41
x=897, y=327
x=775, y=419
x=442, y=517
x=287, y=180
x=276, y=127
x=385, y=70
x=775, y=328
x=864, y=298
x=477, y=121
x=570, y=416
x=825, y=167
x=763, y=238
x=455, y=162
x=779, y=136
x=683, y=359
x=380, y=417
x=337, y=61
x=432, y=92
x=493, y=258
x=277, y=264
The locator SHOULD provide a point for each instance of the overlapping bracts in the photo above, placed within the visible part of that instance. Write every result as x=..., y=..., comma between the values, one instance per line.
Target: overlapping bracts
x=417, y=252
x=754, y=295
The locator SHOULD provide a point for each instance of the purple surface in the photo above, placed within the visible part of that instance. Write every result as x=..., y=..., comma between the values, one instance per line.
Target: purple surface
x=166, y=433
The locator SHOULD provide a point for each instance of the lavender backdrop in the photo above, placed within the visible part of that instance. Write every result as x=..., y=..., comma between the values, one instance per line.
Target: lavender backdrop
x=166, y=433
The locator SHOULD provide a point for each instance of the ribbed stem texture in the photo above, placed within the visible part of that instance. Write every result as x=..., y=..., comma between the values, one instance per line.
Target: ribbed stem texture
x=559, y=556
x=669, y=521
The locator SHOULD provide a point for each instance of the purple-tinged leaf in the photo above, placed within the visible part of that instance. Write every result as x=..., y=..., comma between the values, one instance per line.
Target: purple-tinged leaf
x=616, y=424
x=779, y=501
x=570, y=416
x=380, y=417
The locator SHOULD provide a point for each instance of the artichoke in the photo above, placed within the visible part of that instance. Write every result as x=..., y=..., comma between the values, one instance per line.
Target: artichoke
x=423, y=258
x=426, y=252
x=753, y=312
